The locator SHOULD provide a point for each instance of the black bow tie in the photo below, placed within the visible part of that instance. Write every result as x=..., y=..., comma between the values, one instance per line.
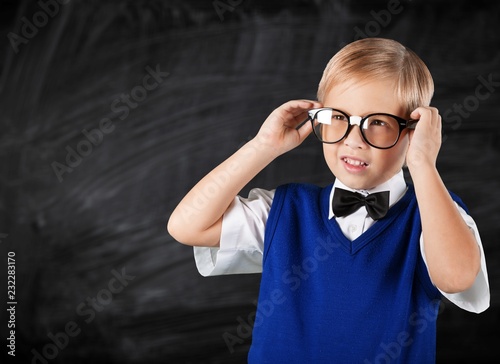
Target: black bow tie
x=346, y=202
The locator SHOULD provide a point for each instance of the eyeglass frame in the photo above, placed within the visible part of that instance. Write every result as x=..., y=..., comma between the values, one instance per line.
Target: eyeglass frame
x=359, y=120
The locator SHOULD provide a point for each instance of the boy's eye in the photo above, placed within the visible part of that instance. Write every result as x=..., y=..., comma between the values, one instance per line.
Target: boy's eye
x=382, y=121
x=378, y=123
x=338, y=117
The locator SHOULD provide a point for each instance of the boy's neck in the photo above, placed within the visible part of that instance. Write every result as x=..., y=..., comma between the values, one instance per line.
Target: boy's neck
x=397, y=179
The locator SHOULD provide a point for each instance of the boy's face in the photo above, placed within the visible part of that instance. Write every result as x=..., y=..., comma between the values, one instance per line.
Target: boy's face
x=352, y=160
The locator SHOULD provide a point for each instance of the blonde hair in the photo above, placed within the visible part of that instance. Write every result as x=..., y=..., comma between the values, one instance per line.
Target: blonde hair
x=377, y=58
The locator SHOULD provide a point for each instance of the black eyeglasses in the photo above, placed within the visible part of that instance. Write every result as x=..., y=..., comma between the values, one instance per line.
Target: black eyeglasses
x=379, y=130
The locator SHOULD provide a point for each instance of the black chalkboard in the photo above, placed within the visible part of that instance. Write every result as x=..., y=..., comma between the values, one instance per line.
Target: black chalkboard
x=111, y=111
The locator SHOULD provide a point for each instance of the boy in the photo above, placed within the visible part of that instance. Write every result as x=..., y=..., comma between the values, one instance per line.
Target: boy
x=353, y=272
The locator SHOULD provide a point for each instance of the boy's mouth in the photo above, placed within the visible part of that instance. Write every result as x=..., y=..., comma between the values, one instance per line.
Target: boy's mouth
x=354, y=162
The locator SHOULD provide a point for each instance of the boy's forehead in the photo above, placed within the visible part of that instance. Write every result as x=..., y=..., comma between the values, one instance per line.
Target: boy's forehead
x=365, y=96
x=365, y=83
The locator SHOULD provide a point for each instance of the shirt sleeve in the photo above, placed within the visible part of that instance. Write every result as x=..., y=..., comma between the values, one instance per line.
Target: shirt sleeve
x=477, y=298
x=242, y=237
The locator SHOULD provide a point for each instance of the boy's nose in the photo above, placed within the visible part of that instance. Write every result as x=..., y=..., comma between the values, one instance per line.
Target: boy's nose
x=354, y=139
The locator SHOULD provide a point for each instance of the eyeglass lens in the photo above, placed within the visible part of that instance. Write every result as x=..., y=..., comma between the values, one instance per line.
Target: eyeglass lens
x=379, y=130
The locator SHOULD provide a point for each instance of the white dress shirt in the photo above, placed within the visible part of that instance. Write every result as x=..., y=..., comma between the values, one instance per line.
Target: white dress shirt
x=242, y=239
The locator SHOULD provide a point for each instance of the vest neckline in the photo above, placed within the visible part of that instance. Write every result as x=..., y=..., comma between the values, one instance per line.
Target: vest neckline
x=354, y=246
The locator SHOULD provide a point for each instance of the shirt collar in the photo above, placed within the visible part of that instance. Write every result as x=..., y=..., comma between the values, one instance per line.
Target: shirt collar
x=396, y=186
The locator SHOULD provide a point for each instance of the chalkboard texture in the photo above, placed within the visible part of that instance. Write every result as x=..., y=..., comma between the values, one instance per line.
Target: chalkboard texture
x=112, y=110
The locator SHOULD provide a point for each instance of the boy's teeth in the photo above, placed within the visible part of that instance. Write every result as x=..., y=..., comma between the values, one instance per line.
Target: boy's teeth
x=354, y=162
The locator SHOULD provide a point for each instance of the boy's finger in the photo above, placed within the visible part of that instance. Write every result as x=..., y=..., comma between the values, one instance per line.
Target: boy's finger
x=417, y=113
x=297, y=107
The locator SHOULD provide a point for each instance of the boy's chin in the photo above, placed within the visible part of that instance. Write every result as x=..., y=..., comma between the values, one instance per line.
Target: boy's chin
x=357, y=184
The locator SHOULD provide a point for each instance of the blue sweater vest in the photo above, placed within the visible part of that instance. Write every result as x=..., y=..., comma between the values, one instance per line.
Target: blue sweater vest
x=325, y=299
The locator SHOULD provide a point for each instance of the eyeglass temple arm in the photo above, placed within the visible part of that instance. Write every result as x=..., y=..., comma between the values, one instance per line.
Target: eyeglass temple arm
x=303, y=122
x=411, y=124
x=310, y=115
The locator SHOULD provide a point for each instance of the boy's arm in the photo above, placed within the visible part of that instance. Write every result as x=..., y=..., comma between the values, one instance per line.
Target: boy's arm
x=197, y=220
x=453, y=256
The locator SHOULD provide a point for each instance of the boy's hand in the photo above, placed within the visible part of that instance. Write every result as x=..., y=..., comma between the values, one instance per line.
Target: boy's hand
x=279, y=133
x=425, y=139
